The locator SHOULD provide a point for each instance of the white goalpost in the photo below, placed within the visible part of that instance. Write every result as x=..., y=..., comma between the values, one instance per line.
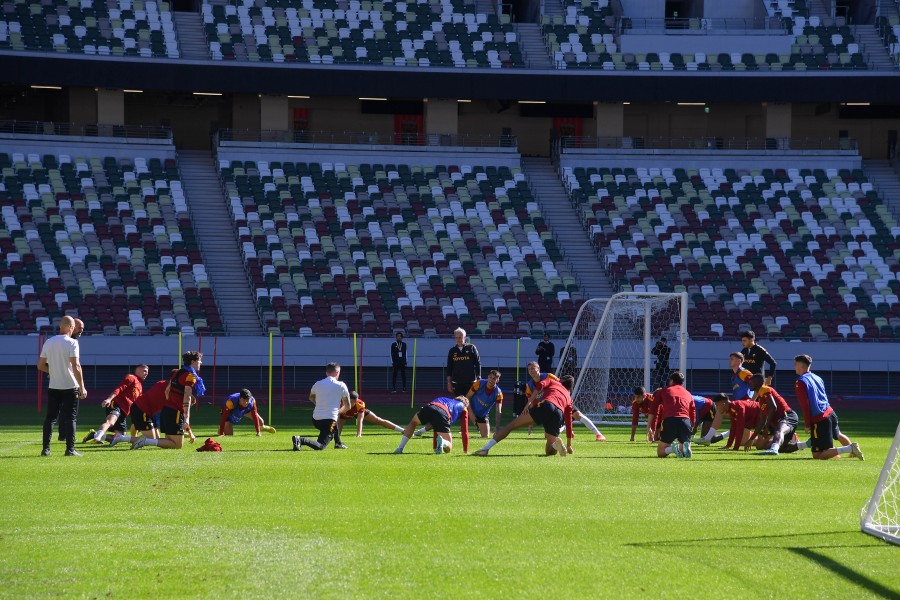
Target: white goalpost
x=619, y=343
x=881, y=514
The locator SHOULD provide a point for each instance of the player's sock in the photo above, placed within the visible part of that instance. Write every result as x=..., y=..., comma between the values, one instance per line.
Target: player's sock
x=151, y=442
x=709, y=434
x=419, y=431
x=775, y=446
x=669, y=450
x=589, y=424
x=398, y=429
x=804, y=445
x=490, y=444
x=403, y=441
x=120, y=438
x=845, y=450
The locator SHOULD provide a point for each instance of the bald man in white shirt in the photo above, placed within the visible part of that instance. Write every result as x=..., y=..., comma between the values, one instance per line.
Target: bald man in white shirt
x=60, y=360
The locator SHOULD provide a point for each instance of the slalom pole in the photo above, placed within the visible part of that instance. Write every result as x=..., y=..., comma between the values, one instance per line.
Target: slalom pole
x=215, y=348
x=412, y=394
x=270, y=378
x=282, y=374
x=40, y=377
x=518, y=343
x=199, y=349
x=355, y=365
x=359, y=387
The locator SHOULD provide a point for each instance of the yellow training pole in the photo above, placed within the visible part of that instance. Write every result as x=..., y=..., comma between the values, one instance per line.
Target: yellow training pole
x=355, y=365
x=270, y=378
x=178, y=362
x=413, y=388
x=518, y=343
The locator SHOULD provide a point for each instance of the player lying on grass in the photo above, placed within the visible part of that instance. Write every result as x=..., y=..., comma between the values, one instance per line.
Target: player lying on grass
x=118, y=406
x=676, y=413
x=483, y=395
x=742, y=415
x=331, y=398
x=184, y=388
x=711, y=420
x=776, y=418
x=144, y=409
x=359, y=412
x=819, y=418
x=440, y=414
x=550, y=406
x=234, y=407
x=576, y=414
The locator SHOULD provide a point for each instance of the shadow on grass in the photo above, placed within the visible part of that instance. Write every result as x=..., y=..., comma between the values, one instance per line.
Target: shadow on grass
x=841, y=570
x=730, y=540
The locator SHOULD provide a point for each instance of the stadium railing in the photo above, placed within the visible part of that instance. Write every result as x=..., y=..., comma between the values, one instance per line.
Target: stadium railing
x=702, y=26
x=128, y=132
x=707, y=143
x=367, y=138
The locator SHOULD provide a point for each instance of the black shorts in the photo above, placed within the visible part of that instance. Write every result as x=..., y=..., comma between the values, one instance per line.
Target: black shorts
x=790, y=421
x=171, y=421
x=141, y=420
x=519, y=402
x=824, y=433
x=549, y=416
x=708, y=418
x=121, y=420
x=461, y=389
x=438, y=419
x=483, y=419
x=674, y=428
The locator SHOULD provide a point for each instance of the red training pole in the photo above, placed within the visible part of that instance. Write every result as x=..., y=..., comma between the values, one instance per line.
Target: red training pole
x=282, y=374
x=215, y=347
x=199, y=349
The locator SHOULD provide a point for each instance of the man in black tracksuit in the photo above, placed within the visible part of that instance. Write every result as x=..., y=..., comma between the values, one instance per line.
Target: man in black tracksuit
x=756, y=358
x=463, y=365
x=398, y=361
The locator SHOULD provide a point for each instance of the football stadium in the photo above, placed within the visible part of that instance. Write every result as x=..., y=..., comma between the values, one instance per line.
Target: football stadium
x=590, y=298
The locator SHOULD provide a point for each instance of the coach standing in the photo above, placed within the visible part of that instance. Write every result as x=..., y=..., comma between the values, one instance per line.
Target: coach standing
x=398, y=361
x=59, y=359
x=463, y=365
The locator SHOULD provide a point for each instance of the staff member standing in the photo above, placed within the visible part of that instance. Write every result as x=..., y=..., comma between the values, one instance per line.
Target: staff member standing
x=398, y=360
x=463, y=365
x=757, y=358
x=545, y=352
x=60, y=359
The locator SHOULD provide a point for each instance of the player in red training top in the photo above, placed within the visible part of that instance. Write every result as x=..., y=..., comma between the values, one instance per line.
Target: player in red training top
x=675, y=415
x=143, y=411
x=743, y=415
x=775, y=418
x=550, y=406
x=359, y=412
x=118, y=406
x=184, y=388
x=642, y=404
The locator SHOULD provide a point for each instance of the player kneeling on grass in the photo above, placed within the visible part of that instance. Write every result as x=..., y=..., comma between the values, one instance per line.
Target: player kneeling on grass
x=359, y=412
x=675, y=414
x=483, y=395
x=144, y=409
x=440, y=414
x=711, y=420
x=234, y=407
x=576, y=414
x=819, y=418
x=118, y=406
x=183, y=389
x=549, y=405
x=775, y=418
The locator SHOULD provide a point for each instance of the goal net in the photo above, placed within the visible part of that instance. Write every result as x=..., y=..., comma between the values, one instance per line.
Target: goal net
x=622, y=342
x=881, y=514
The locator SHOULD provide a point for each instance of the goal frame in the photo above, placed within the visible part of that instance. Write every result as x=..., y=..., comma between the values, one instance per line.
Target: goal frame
x=641, y=297
x=888, y=533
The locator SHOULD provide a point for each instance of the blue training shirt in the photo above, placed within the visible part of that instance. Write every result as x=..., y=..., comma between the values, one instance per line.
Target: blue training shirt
x=815, y=393
x=740, y=389
x=453, y=406
x=236, y=411
x=482, y=400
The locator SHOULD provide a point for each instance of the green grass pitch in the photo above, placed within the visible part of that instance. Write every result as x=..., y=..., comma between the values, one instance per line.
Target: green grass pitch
x=261, y=521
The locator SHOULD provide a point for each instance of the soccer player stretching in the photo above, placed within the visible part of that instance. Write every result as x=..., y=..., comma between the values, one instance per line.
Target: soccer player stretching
x=184, y=388
x=642, y=404
x=742, y=414
x=676, y=414
x=143, y=410
x=440, y=415
x=711, y=419
x=740, y=377
x=118, y=406
x=359, y=412
x=576, y=414
x=235, y=407
x=483, y=395
x=818, y=415
x=775, y=417
x=550, y=406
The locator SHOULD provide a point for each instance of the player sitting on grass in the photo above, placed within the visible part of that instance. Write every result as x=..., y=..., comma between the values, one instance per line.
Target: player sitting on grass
x=144, y=409
x=440, y=414
x=359, y=412
x=675, y=414
x=550, y=406
x=184, y=388
x=819, y=418
x=576, y=414
x=775, y=418
x=711, y=420
x=118, y=406
x=742, y=415
x=234, y=407
x=740, y=377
